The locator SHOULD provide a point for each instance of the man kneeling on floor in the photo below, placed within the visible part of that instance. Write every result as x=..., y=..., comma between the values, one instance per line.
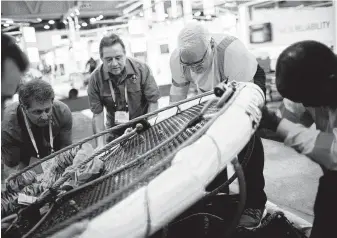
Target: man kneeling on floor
x=35, y=126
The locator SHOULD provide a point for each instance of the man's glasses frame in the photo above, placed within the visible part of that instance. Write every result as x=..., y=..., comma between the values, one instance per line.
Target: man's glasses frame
x=199, y=62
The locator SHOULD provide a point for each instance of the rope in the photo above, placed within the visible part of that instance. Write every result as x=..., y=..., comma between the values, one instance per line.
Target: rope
x=148, y=220
x=113, y=129
x=166, y=161
x=143, y=156
x=244, y=162
x=64, y=178
x=8, y=218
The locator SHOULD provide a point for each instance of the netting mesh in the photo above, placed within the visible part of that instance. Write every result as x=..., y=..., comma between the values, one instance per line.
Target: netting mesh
x=122, y=168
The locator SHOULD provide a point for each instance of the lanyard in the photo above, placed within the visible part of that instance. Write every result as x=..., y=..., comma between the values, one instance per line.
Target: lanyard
x=113, y=93
x=32, y=136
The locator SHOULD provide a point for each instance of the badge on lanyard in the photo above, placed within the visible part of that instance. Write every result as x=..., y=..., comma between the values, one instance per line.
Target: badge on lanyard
x=38, y=169
x=121, y=117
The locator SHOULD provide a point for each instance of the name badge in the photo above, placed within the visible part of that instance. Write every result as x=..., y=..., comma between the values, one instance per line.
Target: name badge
x=121, y=117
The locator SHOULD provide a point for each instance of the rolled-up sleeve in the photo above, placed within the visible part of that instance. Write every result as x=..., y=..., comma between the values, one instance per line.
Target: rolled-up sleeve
x=180, y=85
x=320, y=146
x=294, y=112
x=95, y=103
x=149, y=85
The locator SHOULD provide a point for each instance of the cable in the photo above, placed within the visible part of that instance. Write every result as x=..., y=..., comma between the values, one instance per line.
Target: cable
x=143, y=156
x=64, y=178
x=234, y=176
x=49, y=192
x=39, y=223
x=8, y=218
x=196, y=214
x=242, y=201
x=113, y=129
x=166, y=161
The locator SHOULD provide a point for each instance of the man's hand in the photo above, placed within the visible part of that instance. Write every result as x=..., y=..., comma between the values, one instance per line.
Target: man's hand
x=72, y=231
x=269, y=120
x=146, y=125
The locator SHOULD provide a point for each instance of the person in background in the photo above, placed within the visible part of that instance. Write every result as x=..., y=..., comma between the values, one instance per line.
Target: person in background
x=91, y=65
x=123, y=85
x=35, y=126
x=204, y=60
x=306, y=76
x=14, y=63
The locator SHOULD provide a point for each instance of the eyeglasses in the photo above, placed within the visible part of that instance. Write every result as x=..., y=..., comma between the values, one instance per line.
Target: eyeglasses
x=195, y=64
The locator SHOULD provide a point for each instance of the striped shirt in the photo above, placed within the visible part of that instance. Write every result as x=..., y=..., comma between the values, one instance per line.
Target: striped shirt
x=320, y=142
x=231, y=61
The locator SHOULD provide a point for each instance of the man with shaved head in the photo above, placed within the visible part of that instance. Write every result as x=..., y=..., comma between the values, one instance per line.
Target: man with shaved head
x=204, y=60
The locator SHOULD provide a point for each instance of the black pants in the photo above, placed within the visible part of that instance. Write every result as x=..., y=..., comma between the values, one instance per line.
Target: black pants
x=325, y=209
x=253, y=171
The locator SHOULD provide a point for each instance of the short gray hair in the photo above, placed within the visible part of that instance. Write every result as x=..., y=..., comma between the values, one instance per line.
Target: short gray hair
x=193, y=36
x=36, y=89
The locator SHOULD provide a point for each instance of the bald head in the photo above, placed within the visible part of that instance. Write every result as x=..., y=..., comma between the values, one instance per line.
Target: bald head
x=193, y=41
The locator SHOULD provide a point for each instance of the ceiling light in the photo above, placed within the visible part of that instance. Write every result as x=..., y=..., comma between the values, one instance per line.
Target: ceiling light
x=9, y=21
x=92, y=20
x=51, y=22
x=6, y=25
x=46, y=27
x=84, y=24
x=39, y=19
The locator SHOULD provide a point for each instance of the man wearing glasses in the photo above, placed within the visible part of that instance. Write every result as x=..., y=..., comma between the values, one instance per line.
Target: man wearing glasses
x=203, y=60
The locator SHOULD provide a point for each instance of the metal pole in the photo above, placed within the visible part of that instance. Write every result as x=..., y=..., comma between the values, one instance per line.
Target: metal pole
x=174, y=8
x=335, y=25
x=187, y=6
x=147, y=8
